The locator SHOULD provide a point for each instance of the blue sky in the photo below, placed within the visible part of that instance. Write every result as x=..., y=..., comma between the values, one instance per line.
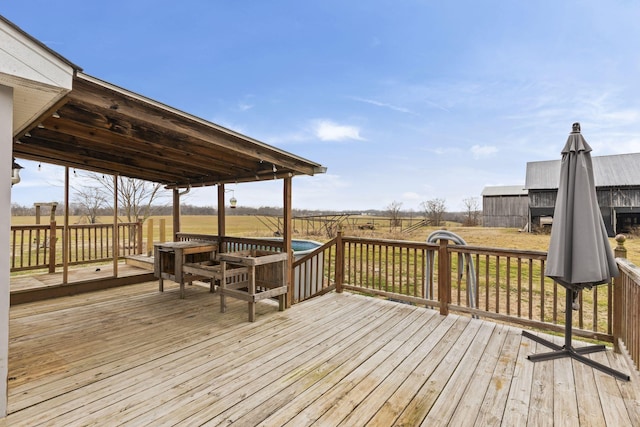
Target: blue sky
x=402, y=101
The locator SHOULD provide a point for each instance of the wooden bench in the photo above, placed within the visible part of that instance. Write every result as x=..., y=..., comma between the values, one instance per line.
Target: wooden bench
x=266, y=277
x=211, y=271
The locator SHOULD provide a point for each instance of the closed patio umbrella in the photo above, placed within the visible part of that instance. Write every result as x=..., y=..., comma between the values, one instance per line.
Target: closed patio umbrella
x=579, y=255
x=579, y=250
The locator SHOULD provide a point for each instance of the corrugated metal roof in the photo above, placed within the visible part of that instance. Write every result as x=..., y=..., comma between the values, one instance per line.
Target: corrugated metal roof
x=504, y=190
x=608, y=171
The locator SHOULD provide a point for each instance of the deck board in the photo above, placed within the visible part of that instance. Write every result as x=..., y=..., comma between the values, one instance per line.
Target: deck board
x=466, y=404
x=134, y=356
x=30, y=280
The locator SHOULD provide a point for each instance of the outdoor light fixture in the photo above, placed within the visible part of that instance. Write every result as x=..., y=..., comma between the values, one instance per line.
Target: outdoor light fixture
x=15, y=172
x=232, y=201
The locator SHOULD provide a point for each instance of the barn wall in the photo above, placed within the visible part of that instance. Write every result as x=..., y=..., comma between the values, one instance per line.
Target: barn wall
x=505, y=211
x=542, y=199
x=610, y=199
x=619, y=197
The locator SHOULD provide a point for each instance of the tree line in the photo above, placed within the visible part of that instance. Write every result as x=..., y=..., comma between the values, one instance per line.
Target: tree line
x=435, y=212
x=138, y=200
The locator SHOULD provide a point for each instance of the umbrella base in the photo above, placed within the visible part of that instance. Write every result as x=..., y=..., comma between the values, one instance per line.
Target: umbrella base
x=575, y=353
x=567, y=350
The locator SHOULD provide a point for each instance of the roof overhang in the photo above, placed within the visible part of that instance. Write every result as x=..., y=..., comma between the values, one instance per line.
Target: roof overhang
x=100, y=127
x=39, y=76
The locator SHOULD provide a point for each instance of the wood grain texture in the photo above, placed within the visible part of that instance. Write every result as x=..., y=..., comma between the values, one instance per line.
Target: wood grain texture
x=134, y=356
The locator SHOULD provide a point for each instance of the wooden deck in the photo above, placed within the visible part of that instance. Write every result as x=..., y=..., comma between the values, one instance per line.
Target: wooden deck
x=28, y=282
x=134, y=356
x=37, y=286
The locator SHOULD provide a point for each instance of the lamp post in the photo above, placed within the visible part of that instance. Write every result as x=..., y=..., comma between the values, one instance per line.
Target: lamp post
x=15, y=172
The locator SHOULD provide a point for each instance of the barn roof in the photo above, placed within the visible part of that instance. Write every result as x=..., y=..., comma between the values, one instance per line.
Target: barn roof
x=620, y=170
x=504, y=190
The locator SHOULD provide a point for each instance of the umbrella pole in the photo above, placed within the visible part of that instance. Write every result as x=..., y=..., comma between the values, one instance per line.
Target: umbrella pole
x=567, y=350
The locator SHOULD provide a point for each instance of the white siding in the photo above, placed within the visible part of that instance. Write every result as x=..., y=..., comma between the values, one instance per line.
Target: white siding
x=39, y=76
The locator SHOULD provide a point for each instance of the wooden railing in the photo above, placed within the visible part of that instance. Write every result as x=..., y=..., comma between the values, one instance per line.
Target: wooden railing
x=627, y=312
x=510, y=285
x=315, y=272
x=503, y=284
x=36, y=247
x=392, y=268
x=234, y=244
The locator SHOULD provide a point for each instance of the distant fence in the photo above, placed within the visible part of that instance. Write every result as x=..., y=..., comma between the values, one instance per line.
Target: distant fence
x=35, y=247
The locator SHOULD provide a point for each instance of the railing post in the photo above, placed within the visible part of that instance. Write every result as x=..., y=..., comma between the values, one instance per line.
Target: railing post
x=617, y=312
x=163, y=233
x=52, y=247
x=620, y=252
x=339, y=262
x=139, y=238
x=149, y=236
x=444, y=277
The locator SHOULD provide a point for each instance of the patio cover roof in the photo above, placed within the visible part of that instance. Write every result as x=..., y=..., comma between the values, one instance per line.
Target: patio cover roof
x=103, y=128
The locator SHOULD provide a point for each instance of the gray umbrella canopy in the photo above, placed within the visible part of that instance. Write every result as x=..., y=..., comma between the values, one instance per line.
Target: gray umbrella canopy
x=579, y=249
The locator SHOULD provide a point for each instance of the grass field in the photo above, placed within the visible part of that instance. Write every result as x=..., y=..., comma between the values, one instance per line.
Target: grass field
x=251, y=226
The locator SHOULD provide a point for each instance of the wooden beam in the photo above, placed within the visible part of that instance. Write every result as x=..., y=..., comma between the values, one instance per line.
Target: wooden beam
x=116, y=240
x=65, y=233
x=107, y=129
x=287, y=235
x=100, y=97
x=222, y=231
x=176, y=214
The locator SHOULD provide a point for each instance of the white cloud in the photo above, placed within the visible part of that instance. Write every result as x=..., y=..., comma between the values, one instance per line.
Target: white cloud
x=242, y=106
x=479, y=151
x=385, y=105
x=327, y=130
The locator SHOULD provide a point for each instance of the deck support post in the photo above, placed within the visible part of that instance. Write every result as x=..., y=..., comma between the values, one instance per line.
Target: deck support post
x=287, y=227
x=176, y=214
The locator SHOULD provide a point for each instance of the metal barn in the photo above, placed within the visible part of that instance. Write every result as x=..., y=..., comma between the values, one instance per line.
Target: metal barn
x=617, y=179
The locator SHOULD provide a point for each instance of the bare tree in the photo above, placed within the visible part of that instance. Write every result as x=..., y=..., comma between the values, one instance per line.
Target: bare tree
x=135, y=196
x=472, y=211
x=394, y=213
x=90, y=200
x=434, y=211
